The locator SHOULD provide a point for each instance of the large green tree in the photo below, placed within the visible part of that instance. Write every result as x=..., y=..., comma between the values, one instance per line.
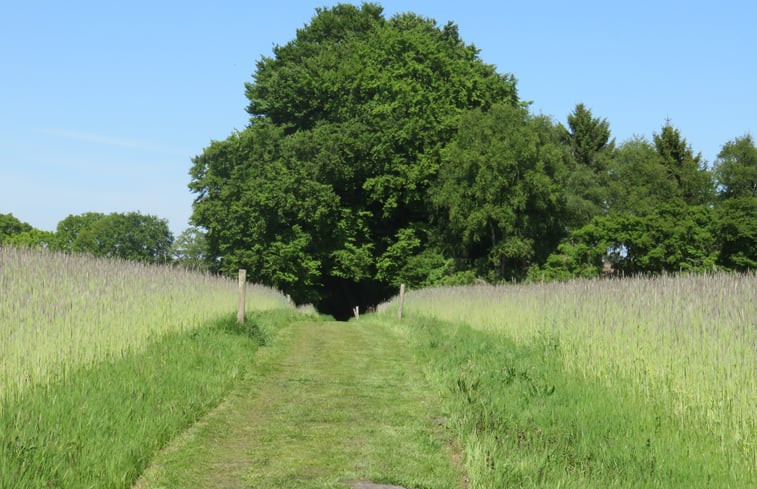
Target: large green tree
x=329, y=180
x=638, y=181
x=693, y=182
x=591, y=149
x=34, y=238
x=736, y=168
x=70, y=227
x=500, y=190
x=736, y=209
x=264, y=211
x=657, y=216
x=644, y=176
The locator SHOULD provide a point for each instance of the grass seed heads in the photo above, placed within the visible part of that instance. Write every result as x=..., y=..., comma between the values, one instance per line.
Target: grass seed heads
x=687, y=343
x=59, y=312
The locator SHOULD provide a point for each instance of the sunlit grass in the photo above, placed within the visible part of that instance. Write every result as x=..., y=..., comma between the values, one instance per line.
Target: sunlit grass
x=60, y=312
x=101, y=425
x=102, y=362
x=686, y=346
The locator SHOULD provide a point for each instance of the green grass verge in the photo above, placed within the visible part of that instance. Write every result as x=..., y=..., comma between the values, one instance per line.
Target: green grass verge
x=100, y=426
x=524, y=422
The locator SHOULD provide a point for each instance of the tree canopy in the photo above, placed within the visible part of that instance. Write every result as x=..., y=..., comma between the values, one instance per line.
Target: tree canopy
x=590, y=145
x=736, y=169
x=499, y=189
x=383, y=150
x=348, y=122
x=736, y=210
x=10, y=226
x=130, y=236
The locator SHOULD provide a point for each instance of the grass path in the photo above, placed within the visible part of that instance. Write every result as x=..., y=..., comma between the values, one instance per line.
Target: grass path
x=327, y=406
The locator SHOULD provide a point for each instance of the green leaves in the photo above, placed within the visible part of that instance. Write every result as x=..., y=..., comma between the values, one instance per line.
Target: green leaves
x=663, y=217
x=396, y=87
x=10, y=225
x=591, y=149
x=190, y=249
x=353, y=262
x=348, y=123
x=499, y=189
x=385, y=151
x=638, y=182
x=736, y=168
x=130, y=236
x=693, y=182
x=264, y=211
x=669, y=239
x=735, y=229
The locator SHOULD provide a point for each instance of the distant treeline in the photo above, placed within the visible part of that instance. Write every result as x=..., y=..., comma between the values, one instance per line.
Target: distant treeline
x=129, y=236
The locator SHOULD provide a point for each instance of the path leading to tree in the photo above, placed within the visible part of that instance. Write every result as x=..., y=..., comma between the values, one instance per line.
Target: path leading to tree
x=329, y=405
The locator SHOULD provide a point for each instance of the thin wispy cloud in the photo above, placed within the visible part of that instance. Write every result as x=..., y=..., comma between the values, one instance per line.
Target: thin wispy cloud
x=89, y=137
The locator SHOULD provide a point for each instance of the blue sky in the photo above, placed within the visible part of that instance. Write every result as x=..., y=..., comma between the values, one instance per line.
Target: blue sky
x=103, y=104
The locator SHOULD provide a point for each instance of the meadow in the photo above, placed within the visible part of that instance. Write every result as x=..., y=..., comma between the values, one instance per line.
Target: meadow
x=60, y=312
x=639, y=382
x=627, y=383
x=103, y=362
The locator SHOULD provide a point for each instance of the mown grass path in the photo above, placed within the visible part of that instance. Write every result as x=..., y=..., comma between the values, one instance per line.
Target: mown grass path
x=327, y=406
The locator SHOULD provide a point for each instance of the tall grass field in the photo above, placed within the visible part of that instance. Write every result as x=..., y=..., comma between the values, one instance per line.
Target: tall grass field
x=102, y=362
x=637, y=382
x=60, y=312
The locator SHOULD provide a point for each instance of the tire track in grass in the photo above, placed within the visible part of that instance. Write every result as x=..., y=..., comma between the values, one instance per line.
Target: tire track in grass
x=329, y=405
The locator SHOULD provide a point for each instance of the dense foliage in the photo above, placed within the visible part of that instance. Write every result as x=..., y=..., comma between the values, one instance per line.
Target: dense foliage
x=385, y=151
x=382, y=151
x=667, y=212
x=129, y=236
x=499, y=188
x=327, y=190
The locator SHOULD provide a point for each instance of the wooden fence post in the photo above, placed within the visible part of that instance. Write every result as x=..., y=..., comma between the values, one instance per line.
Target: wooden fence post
x=402, y=301
x=240, y=296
